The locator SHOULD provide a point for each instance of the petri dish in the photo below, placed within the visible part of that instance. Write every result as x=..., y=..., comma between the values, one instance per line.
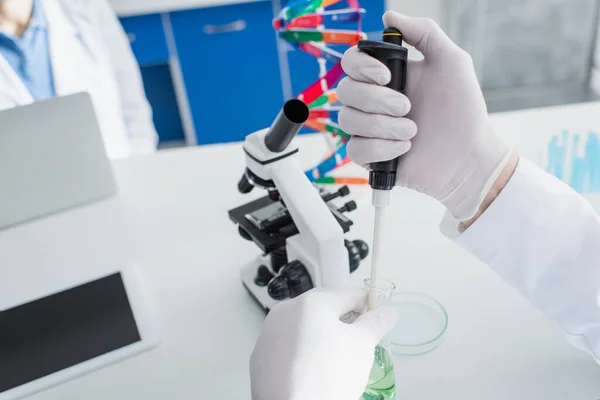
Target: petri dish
x=422, y=323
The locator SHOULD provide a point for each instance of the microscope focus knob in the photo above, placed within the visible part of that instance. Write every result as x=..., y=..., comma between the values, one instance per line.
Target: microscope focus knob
x=363, y=248
x=292, y=281
x=353, y=255
x=263, y=276
x=357, y=251
x=298, y=278
x=278, y=288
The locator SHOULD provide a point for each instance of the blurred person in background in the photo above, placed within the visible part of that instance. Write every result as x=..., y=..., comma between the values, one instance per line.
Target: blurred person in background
x=54, y=48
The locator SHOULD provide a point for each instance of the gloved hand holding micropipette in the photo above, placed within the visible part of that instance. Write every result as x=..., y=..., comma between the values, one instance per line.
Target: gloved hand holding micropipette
x=454, y=157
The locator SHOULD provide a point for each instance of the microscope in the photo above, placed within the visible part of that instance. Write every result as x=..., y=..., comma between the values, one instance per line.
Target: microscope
x=297, y=226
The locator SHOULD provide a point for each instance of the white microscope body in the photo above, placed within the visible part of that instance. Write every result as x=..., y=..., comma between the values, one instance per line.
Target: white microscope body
x=319, y=246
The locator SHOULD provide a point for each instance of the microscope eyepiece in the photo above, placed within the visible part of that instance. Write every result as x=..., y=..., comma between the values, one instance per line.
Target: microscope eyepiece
x=286, y=125
x=296, y=111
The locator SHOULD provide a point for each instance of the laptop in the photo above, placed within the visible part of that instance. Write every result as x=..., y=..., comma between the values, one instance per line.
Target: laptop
x=52, y=158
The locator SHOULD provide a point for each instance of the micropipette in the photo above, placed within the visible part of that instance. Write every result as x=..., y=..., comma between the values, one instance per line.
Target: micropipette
x=382, y=175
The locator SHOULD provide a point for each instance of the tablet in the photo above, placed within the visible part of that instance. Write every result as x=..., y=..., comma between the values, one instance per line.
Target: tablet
x=51, y=339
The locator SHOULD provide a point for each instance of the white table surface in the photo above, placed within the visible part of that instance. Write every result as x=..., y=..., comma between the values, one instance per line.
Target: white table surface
x=140, y=7
x=497, y=346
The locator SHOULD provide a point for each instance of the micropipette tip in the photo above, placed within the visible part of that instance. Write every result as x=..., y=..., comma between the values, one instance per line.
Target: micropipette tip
x=380, y=201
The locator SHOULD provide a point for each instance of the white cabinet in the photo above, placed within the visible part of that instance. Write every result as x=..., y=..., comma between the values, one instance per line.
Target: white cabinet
x=528, y=52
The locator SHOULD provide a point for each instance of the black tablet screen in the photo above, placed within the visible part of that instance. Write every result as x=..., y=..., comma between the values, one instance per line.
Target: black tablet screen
x=56, y=332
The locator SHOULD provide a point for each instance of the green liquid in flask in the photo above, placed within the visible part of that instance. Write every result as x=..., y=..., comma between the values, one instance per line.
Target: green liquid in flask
x=382, y=385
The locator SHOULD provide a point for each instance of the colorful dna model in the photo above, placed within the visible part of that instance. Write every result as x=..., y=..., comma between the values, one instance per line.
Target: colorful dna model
x=303, y=25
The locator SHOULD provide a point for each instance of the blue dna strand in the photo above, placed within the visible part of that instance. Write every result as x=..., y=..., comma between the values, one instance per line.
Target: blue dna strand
x=566, y=162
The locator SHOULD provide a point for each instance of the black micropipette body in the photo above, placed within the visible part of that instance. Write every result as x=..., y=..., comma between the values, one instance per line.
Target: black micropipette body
x=391, y=53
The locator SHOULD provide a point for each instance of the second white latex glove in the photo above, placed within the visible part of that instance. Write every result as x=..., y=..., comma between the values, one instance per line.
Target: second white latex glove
x=306, y=352
x=455, y=157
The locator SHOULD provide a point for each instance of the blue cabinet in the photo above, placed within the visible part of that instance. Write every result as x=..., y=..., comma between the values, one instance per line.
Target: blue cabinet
x=147, y=38
x=225, y=67
x=229, y=62
x=148, y=41
x=160, y=92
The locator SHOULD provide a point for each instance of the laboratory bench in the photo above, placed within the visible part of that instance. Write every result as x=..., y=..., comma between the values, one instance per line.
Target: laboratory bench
x=214, y=71
x=497, y=346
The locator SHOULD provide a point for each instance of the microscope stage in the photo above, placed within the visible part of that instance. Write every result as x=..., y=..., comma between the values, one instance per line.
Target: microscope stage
x=269, y=241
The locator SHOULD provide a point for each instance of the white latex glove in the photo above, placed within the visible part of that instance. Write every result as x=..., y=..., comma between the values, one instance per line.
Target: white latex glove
x=305, y=352
x=455, y=157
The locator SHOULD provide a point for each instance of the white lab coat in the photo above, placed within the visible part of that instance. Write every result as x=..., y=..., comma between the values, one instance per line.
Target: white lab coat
x=90, y=52
x=543, y=238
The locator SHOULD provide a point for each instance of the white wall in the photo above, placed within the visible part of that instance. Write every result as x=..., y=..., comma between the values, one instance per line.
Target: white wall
x=433, y=9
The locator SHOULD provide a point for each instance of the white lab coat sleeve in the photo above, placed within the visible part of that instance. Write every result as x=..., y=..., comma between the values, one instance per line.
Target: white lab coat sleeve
x=137, y=113
x=543, y=238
